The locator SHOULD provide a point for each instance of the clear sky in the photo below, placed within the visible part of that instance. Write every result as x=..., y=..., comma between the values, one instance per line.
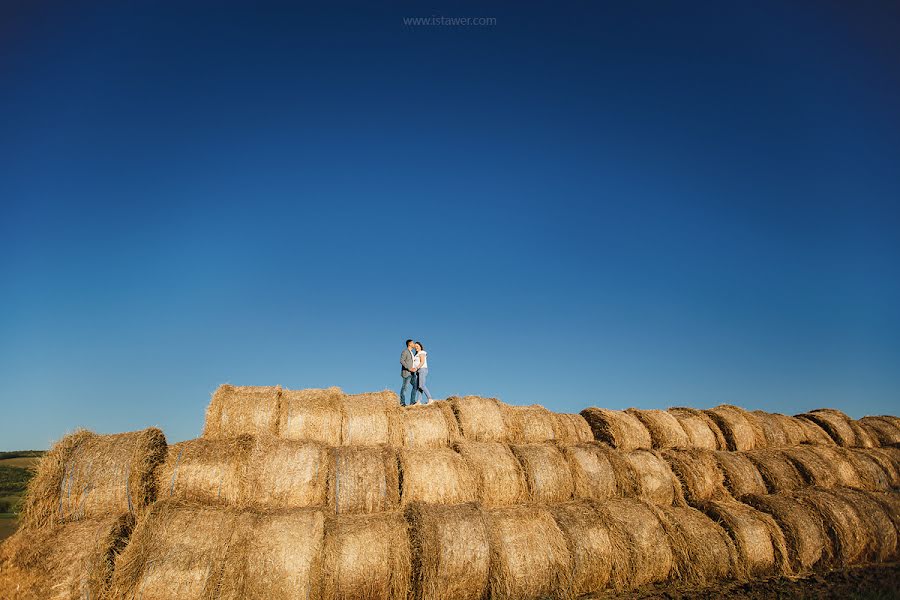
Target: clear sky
x=593, y=203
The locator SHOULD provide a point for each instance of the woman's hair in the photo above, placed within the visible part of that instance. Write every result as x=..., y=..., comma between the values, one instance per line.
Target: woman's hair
x=420, y=345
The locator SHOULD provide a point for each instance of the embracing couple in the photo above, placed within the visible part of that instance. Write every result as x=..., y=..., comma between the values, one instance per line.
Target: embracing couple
x=414, y=371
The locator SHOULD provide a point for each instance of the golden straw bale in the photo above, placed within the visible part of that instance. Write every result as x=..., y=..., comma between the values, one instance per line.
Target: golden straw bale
x=499, y=477
x=430, y=426
x=363, y=479
x=235, y=410
x=890, y=502
x=812, y=466
x=312, y=415
x=451, y=553
x=872, y=474
x=883, y=457
x=435, y=476
x=529, y=424
x=741, y=476
x=881, y=429
x=741, y=429
x=654, y=480
x=665, y=430
x=760, y=543
x=881, y=534
x=529, y=556
x=285, y=474
x=571, y=429
x=204, y=470
x=699, y=473
x=90, y=475
x=842, y=429
x=480, y=419
x=617, y=428
x=702, y=552
x=891, y=453
x=548, y=474
x=71, y=560
x=845, y=473
x=366, y=557
x=794, y=432
x=640, y=545
x=807, y=541
x=772, y=430
x=371, y=419
x=701, y=430
x=590, y=545
x=846, y=530
x=596, y=470
x=813, y=433
x=777, y=470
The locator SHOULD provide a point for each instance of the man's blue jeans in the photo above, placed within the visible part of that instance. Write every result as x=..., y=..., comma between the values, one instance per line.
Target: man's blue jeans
x=408, y=382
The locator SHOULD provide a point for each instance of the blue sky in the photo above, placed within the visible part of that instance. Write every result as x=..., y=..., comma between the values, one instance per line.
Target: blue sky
x=613, y=204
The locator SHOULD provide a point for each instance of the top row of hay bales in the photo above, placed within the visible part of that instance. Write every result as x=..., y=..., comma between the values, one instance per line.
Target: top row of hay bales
x=329, y=417
x=728, y=427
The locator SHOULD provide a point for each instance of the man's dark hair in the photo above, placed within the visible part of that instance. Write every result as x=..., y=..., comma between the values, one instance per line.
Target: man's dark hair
x=420, y=343
x=408, y=342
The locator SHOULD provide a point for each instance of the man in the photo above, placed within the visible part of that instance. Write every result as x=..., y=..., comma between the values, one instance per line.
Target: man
x=408, y=372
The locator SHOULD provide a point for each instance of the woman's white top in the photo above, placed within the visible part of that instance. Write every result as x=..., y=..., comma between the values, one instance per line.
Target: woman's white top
x=421, y=360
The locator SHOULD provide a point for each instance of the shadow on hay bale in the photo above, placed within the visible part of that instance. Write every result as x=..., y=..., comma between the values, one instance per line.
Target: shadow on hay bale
x=699, y=473
x=598, y=471
x=842, y=429
x=740, y=475
x=761, y=547
x=807, y=541
x=701, y=430
x=883, y=430
x=617, y=428
x=777, y=470
x=741, y=429
x=499, y=478
x=779, y=430
x=91, y=475
x=665, y=430
x=644, y=555
x=653, y=480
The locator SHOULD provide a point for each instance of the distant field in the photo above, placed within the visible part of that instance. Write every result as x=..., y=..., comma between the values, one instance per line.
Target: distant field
x=8, y=525
x=28, y=462
x=16, y=470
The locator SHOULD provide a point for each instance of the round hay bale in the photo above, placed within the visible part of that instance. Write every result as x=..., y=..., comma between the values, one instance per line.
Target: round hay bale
x=71, y=560
x=702, y=553
x=366, y=557
x=643, y=555
x=529, y=556
x=499, y=478
x=740, y=475
x=890, y=466
x=842, y=429
x=702, y=431
x=890, y=502
x=90, y=475
x=872, y=475
x=451, y=553
x=772, y=430
x=807, y=542
x=363, y=480
x=547, y=473
x=480, y=419
x=205, y=470
x=654, y=481
x=285, y=474
x=777, y=470
x=741, y=429
x=435, y=476
x=243, y=409
x=791, y=427
x=812, y=466
x=880, y=533
x=665, y=430
x=814, y=434
x=699, y=473
x=890, y=453
x=430, y=426
x=846, y=530
x=617, y=428
x=760, y=544
x=881, y=429
x=371, y=419
x=571, y=429
x=529, y=424
x=312, y=415
x=590, y=545
x=845, y=473
x=596, y=470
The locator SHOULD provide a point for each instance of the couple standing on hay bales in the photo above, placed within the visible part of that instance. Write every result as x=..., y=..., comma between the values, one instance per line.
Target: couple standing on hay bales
x=414, y=371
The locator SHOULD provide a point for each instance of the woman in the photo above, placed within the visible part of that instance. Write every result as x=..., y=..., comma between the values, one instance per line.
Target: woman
x=421, y=372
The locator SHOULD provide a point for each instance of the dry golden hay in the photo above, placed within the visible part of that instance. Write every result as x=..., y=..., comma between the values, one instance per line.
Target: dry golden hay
x=702, y=552
x=842, y=429
x=813, y=433
x=596, y=470
x=881, y=538
x=366, y=557
x=890, y=453
x=741, y=476
x=87, y=475
x=890, y=502
x=371, y=419
x=480, y=419
x=529, y=424
x=846, y=530
x=546, y=471
x=430, y=426
x=813, y=466
x=881, y=429
x=741, y=429
x=641, y=551
x=451, y=554
x=72, y=560
x=772, y=429
x=845, y=474
x=363, y=479
x=591, y=545
x=204, y=470
x=699, y=473
x=435, y=476
x=571, y=429
x=665, y=430
x=529, y=556
x=872, y=473
x=777, y=470
x=883, y=457
x=702, y=431
x=761, y=546
x=499, y=478
x=805, y=536
x=235, y=410
x=654, y=480
x=617, y=428
x=285, y=474
x=312, y=415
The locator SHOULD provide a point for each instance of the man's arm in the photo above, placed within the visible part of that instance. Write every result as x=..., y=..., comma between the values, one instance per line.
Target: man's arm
x=406, y=360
